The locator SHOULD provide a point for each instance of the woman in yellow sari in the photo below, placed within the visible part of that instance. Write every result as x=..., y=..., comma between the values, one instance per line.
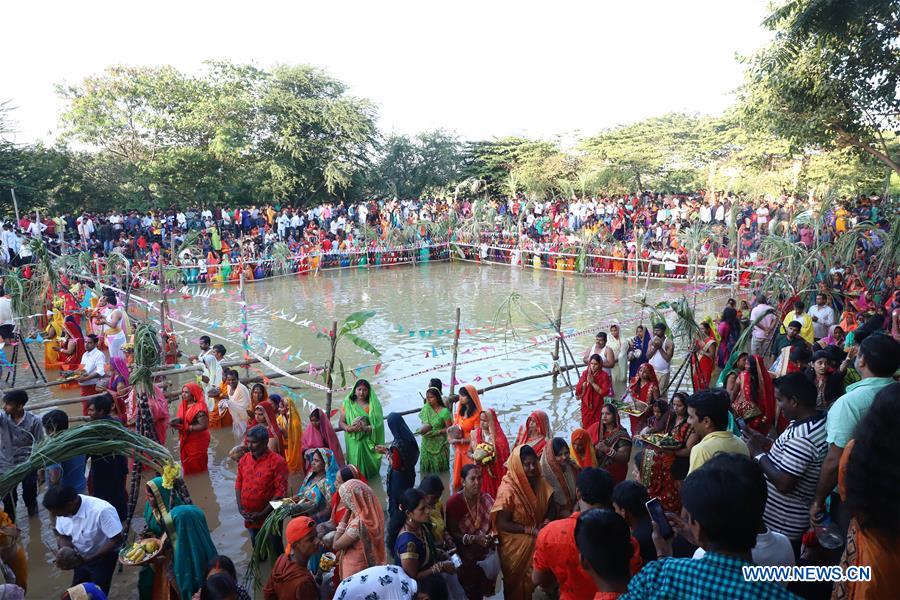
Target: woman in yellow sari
x=290, y=423
x=522, y=507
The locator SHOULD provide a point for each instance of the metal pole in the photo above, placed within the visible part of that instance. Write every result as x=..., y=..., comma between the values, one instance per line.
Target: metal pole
x=455, y=350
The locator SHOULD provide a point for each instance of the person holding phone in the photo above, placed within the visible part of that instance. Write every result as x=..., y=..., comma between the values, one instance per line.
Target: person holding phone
x=724, y=502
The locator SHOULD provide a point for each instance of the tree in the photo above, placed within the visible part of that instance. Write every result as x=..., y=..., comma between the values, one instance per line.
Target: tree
x=830, y=78
x=409, y=167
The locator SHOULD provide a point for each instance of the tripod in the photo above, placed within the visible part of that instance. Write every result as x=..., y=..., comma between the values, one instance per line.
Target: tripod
x=29, y=356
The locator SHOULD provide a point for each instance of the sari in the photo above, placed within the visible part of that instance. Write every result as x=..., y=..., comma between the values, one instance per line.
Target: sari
x=591, y=399
x=466, y=425
x=642, y=393
x=118, y=386
x=562, y=479
x=617, y=344
x=338, y=509
x=638, y=353
x=656, y=470
x=404, y=454
x=314, y=494
x=367, y=524
x=543, y=435
x=613, y=437
x=323, y=436
x=756, y=401
x=237, y=404
x=702, y=365
x=729, y=337
x=361, y=445
x=472, y=520
x=189, y=547
x=492, y=472
x=194, y=444
x=293, y=429
x=71, y=362
x=435, y=448
x=272, y=427
x=589, y=457
x=528, y=508
x=159, y=411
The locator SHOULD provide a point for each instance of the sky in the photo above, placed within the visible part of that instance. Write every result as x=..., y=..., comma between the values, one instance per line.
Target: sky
x=482, y=69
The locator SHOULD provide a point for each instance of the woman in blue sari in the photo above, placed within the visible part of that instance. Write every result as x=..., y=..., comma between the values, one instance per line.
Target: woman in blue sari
x=637, y=351
x=182, y=565
x=403, y=454
x=313, y=499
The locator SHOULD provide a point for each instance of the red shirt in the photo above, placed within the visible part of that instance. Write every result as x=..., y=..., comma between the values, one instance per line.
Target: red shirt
x=555, y=551
x=259, y=481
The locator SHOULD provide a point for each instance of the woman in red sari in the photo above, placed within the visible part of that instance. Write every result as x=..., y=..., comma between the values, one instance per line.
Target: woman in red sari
x=593, y=387
x=583, y=449
x=266, y=416
x=192, y=424
x=490, y=432
x=612, y=442
x=703, y=358
x=465, y=418
x=755, y=397
x=72, y=348
x=644, y=387
x=662, y=469
x=535, y=432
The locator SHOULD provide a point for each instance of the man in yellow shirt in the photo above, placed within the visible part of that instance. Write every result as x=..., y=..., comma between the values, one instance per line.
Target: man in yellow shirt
x=708, y=415
x=800, y=315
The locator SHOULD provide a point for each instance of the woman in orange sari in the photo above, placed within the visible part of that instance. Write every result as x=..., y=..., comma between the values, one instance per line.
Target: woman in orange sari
x=583, y=449
x=612, y=442
x=522, y=507
x=535, y=432
x=755, y=398
x=560, y=471
x=703, y=358
x=492, y=469
x=192, y=424
x=359, y=539
x=465, y=418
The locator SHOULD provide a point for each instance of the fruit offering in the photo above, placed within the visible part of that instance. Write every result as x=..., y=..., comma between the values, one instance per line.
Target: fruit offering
x=140, y=551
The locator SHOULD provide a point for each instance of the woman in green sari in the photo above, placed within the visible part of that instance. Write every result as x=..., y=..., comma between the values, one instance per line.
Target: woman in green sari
x=434, y=449
x=178, y=571
x=363, y=425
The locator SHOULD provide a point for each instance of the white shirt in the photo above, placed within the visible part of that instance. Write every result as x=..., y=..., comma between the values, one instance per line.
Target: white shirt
x=94, y=362
x=660, y=364
x=772, y=549
x=92, y=526
x=825, y=319
x=6, y=314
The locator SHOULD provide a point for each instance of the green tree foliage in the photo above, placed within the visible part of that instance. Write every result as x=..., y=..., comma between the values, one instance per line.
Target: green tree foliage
x=408, y=167
x=830, y=78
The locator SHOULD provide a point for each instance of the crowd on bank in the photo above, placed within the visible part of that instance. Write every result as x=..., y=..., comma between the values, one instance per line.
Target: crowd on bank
x=777, y=452
x=632, y=233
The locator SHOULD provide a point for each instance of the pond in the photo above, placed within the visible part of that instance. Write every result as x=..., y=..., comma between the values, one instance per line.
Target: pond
x=505, y=335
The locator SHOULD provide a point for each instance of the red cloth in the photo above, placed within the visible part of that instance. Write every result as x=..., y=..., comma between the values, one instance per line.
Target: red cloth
x=555, y=551
x=493, y=472
x=259, y=481
x=194, y=444
x=591, y=399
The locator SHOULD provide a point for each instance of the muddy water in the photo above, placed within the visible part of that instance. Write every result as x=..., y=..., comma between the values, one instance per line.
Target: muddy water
x=503, y=322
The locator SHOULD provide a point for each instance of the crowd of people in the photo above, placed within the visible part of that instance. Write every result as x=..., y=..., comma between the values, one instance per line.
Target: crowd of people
x=772, y=445
x=639, y=233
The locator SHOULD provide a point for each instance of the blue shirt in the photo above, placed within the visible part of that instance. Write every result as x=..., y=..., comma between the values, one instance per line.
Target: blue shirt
x=72, y=473
x=712, y=577
x=846, y=413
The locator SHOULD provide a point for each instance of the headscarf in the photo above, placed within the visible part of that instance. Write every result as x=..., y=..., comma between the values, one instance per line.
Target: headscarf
x=519, y=488
x=404, y=440
x=542, y=421
x=253, y=404
x=643, y=345
x=467, y=424
x=501, y=444
x=337, y=507
x=121, y=372
x=331, y=468
x=294, y=451
x=186, y=412
x=712, y=326
x=639, y=390
x=272, y=420
x=74, y=332
x=82, y=591
x=299, y=528
x=323, y=436
x=360, y=500
x=589, y=457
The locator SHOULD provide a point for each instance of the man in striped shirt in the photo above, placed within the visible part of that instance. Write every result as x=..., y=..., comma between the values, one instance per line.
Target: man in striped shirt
x=793, y=462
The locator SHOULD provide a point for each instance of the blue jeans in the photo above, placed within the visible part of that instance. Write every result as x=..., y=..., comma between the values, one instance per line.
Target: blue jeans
x=99, y=572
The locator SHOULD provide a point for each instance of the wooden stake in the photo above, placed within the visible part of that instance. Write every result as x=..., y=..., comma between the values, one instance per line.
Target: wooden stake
x=562, y=292
x=455, y=350
x=329, y=380
x=246, y=325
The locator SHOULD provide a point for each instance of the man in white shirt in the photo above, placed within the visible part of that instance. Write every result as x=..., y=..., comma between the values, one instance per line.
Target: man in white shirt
x=284, y=221
x=93, y=363
x=88, y=534
x=35, y=228
x=7, y=332
x=822, y=316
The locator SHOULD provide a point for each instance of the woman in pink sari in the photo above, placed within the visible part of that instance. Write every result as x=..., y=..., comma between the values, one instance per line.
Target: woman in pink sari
x=320, y=434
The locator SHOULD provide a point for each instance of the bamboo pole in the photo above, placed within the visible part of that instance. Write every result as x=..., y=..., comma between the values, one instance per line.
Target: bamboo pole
x=246, y=326
x=329, y=380
x=562, y=292
x=75, y=399
x=259, y=379
x=455, y=351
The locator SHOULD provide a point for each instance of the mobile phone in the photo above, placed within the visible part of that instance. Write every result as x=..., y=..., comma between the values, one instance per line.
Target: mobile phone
x=659, y=517
x=741, y=423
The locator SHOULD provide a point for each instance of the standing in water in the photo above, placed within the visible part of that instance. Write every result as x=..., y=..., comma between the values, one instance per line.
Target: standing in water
x=435, y=421
x=592, y=389
x=467, y=417
x=363, y=425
